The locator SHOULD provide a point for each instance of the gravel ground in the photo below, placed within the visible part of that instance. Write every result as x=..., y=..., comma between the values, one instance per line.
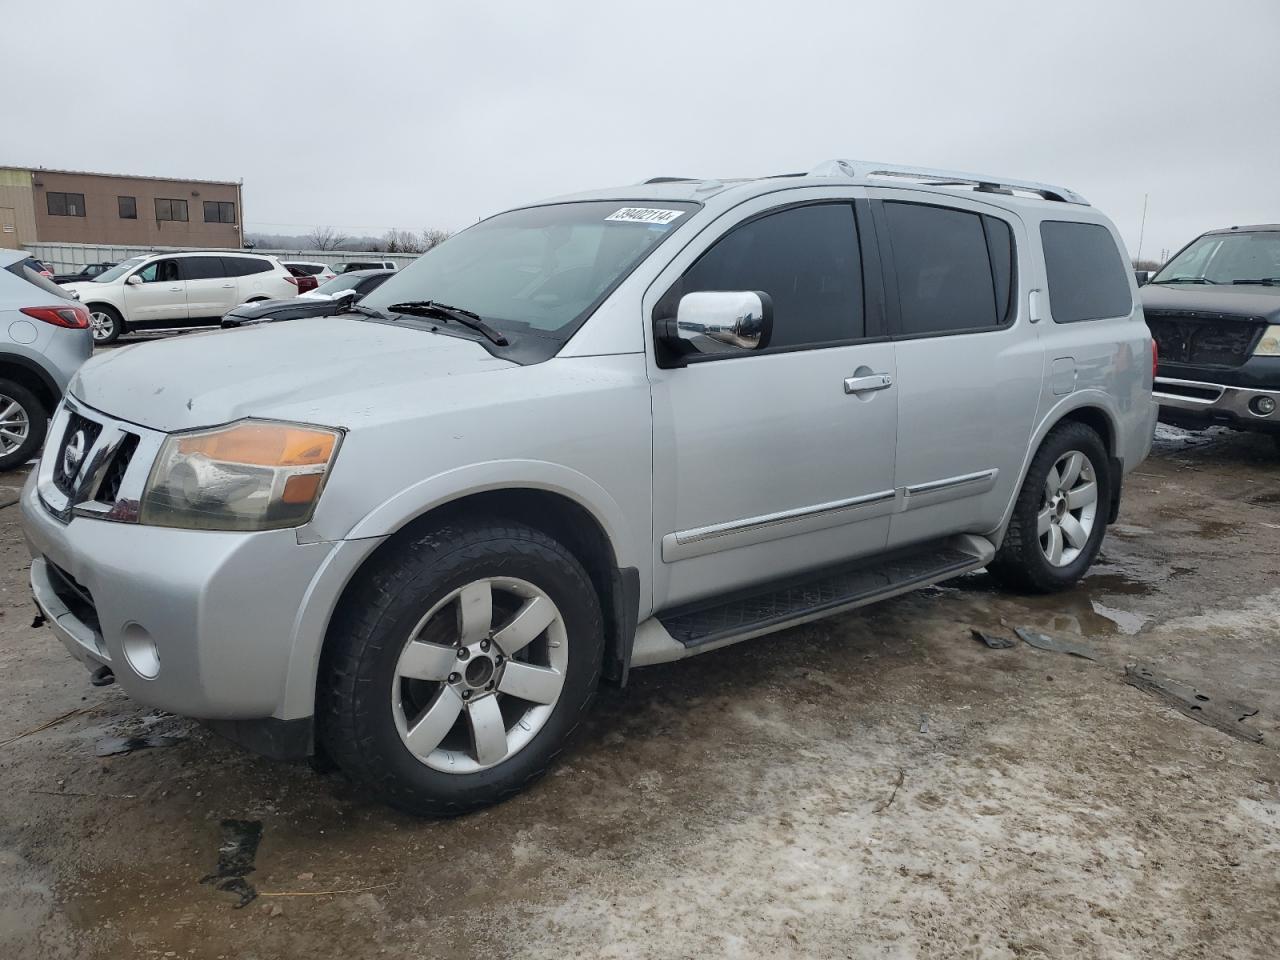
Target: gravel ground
x=875, y=785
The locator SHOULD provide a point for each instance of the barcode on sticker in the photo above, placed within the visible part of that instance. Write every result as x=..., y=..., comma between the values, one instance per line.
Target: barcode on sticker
x=645, y=215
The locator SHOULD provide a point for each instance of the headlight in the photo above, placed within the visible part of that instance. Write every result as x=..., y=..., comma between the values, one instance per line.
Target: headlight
x=1269, y=345
x=251, y=475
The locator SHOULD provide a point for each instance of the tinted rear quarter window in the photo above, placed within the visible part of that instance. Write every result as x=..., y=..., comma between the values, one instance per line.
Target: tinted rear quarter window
x=1087, y=276
x=944, y=269
x=244, y=266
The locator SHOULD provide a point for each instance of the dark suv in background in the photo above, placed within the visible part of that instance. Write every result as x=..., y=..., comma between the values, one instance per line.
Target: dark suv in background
x=1214, y=312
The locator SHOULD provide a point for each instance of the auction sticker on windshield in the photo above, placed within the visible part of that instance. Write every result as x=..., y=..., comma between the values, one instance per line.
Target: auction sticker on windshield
x=645, y=215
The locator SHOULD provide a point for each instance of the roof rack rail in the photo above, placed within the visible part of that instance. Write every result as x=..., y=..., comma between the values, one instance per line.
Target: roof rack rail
x=669, y=180
x=862, y=169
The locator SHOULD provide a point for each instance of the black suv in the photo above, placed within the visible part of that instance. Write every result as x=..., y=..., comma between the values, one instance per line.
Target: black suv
x=1214, y=312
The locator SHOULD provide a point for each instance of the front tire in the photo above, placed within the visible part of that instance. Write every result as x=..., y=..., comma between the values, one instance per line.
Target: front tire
x=1060, y=515
x=459, y=665
x=105, y=323
x=23, y=424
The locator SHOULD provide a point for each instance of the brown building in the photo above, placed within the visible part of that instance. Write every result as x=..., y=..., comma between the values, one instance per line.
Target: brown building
x=67, y=206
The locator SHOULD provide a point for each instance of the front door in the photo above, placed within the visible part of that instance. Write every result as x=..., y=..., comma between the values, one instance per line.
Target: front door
x=766, y=463
x=210, y=292
x=161, y=297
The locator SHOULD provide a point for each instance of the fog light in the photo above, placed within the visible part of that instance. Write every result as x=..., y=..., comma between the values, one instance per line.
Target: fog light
x=140, y=650
x=1263, y=406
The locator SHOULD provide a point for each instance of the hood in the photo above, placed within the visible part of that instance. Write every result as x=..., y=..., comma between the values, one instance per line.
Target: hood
x=334, y=371
x=1231, y=300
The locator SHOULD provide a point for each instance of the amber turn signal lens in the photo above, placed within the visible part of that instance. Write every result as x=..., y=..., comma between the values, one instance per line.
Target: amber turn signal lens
x=263, y=445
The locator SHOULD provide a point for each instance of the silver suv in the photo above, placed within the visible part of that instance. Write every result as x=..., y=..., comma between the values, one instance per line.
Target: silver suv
x=44, y=337
x=601, y=432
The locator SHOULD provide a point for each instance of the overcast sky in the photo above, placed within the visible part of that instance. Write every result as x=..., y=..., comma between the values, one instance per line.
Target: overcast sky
x=419, y=114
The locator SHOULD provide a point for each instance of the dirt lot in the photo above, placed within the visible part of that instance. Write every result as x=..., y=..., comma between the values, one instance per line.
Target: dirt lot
x=877, y=785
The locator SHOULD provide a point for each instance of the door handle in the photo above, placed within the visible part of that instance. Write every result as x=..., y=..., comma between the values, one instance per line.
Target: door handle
x=877, y=381
x=228, y=286
x=175, y=289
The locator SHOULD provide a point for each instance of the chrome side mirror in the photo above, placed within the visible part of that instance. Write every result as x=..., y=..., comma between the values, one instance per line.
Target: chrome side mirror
x=134, y=280
x=739, y=318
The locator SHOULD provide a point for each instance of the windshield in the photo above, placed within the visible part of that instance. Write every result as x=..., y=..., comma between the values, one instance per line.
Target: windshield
x=1226, y=257
x=540, y=270
x=338, y=284
x=119, y=270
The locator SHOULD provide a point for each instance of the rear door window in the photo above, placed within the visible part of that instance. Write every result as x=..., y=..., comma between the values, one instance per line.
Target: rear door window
x=954, y=268
x=203, y=268
x=1088, y=279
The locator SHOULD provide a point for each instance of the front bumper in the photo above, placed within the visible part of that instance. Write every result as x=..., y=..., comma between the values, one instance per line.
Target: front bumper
x=199, y=623
x=1204, y=403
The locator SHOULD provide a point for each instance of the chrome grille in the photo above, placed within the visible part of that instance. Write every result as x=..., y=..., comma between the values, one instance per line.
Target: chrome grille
x=109, y=489
x=77, y=424
x=115, y=460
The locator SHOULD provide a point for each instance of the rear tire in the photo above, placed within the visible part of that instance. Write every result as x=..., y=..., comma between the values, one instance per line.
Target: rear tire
x=106, y=324
x=1059, y=518
x=23, y=424
x=427, y=694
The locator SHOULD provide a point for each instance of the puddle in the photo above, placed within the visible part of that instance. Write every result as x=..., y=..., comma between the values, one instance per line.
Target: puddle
x=240, y=839
x=1128, y=622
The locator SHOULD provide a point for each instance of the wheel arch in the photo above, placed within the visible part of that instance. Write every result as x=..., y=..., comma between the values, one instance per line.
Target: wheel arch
x=554, y=512
x=1094, y=410
x=28, y=374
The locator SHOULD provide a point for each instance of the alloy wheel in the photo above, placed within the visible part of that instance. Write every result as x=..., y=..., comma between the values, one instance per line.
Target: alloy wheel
x=480, y=675
x=15, y=425
x=102, y=324
x=1068, y=508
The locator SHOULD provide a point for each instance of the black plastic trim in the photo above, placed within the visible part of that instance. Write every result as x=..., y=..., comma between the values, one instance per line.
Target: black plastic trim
x=624, y=584
x=269, y=737
x=30, y=366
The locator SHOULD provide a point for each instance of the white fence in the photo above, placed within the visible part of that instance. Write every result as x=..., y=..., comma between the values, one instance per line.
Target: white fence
x=68, y=257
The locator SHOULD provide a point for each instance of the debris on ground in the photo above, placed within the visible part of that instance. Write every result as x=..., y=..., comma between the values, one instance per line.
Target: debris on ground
x=924, y=723
x=46, y=725
x=112, y=746
x=882, y=807
x=1044, y=642
x=1221, y=713
x=992, y=641
x=240, y=839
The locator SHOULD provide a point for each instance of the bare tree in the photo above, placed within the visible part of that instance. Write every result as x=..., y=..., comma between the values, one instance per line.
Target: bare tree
x=432, y=237
x=401, y=241
x=325, y=238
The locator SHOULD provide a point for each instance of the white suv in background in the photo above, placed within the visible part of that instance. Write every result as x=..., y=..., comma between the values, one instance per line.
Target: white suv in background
x=179, y=290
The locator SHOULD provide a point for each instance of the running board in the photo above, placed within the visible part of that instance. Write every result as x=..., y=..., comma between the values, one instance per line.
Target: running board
x=719, y=621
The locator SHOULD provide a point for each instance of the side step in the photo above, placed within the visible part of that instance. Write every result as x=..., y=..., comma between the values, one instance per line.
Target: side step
x=783, y=603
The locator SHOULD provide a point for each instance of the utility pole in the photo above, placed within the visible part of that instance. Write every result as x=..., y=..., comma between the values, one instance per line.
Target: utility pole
x=1142, y=229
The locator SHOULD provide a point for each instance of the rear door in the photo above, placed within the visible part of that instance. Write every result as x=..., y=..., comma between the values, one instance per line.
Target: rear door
x=765, y=464
x=161, y=298
x=211, y=288
x=970, y=363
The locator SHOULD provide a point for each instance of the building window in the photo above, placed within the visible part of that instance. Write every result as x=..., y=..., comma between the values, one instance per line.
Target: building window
x=171, y=210
x=65, y=204
x=219, y=211
x=128, y=208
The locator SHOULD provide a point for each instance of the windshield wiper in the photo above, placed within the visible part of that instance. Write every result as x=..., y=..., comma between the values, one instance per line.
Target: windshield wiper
x=367, y=311
x=1186, y=280
x=429, y=308
x=1264, y=281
